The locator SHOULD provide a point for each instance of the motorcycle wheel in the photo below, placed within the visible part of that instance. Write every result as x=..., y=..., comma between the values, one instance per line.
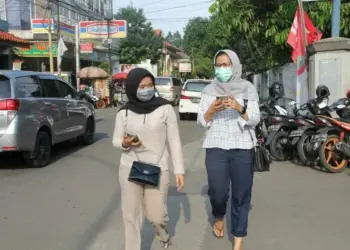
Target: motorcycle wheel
x=277, y=149
x=330, y=158
x=307, y=155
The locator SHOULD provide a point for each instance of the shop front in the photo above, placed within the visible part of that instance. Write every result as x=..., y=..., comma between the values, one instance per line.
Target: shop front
x=7, y=42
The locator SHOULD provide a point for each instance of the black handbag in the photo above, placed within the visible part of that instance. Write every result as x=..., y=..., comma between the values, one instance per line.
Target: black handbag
x=144, y=173
x=261, y=157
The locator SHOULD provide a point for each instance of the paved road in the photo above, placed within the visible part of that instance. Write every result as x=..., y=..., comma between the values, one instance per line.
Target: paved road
x=74, y=204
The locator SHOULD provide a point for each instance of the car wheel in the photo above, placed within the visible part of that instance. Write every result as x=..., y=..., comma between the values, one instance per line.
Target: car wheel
x=87, y=138
x=182, y=116
x=41, y=155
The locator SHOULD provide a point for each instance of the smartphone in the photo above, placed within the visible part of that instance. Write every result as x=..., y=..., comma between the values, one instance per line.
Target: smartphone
x=222, y=98
x=135, y=138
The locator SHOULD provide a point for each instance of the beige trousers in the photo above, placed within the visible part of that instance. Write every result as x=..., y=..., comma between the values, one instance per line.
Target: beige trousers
x=138, y=200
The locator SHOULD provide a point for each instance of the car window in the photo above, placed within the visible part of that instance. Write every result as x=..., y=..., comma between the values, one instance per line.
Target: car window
x=50, y=88
x=5, y=87
x=196, y=86
x=163, y=81
x=65, y=90
x=27, y=86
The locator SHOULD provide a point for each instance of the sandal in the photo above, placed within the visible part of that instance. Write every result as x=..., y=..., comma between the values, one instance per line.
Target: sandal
x=164, y=244
x=218, y=233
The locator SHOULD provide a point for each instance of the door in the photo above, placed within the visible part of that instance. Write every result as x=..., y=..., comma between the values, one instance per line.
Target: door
x=30, y=115
x=74, y=109
x=54, y=107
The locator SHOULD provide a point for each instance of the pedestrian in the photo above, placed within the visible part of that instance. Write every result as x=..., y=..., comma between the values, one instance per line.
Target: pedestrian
x=143, y=127
x=229, y=108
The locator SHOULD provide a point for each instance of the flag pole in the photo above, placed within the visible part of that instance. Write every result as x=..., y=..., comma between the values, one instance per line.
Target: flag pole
x=302, y=19
x=304, y=40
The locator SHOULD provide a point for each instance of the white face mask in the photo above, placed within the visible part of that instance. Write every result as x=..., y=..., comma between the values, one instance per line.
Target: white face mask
x=145, y=95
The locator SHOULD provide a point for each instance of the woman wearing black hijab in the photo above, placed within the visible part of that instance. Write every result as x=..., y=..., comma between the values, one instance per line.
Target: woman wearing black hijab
x=153, y=120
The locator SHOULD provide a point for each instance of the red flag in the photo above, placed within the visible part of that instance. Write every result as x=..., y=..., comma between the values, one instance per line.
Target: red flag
x=295, y=37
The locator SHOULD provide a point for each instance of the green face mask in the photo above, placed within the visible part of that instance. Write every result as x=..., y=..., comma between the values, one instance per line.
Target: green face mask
x=223, y=74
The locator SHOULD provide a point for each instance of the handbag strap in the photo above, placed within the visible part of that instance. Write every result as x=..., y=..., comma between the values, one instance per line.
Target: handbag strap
x=125, y=128
x=245, y=101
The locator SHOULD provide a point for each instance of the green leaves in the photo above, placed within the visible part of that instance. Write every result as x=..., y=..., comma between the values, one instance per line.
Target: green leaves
x=141, y=42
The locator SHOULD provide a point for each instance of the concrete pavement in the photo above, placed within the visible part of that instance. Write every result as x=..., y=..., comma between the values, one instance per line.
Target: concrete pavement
x=74, y=204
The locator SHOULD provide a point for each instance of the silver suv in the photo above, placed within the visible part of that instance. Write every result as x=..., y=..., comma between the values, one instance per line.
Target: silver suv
x=38, y=110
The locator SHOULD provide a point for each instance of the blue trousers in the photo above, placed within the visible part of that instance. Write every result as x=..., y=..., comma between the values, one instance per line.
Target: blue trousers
x=225, y=167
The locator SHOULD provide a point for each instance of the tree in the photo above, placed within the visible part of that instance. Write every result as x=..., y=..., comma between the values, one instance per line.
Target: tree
x=141, y=42
x=264, y=26
x=175, y=39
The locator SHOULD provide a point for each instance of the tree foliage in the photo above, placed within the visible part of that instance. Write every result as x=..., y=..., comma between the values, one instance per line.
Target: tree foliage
x=141, y=42
x=264, y=25
x=175, y=39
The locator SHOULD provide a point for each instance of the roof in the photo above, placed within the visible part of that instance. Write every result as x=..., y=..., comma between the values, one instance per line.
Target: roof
x=5, y=36
x=19, y=73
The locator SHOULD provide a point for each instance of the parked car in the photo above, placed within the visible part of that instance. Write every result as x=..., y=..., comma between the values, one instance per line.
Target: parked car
x=190, y=97
x=38, y=110
x=169, y=88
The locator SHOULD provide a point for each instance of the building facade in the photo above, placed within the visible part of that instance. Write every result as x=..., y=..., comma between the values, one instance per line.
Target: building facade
x=29, y=19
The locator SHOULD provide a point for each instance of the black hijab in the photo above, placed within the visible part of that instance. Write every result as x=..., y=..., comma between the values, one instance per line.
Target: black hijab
x=132, y=83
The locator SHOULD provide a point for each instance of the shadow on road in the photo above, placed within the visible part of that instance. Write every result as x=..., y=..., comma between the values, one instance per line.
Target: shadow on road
x=179, y=201
x=14, y=160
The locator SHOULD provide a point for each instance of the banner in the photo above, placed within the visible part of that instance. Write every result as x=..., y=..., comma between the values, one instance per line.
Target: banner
x=296, y=41
x=99, y=29
x=37, y=49
x=87, y=48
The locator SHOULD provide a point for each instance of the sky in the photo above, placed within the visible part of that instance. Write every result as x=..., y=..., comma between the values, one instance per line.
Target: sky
x=168, y=15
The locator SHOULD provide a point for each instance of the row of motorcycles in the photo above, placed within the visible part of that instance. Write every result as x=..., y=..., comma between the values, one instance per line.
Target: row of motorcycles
x=316, y=133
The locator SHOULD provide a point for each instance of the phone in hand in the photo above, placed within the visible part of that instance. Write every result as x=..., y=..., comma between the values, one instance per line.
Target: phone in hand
x=222, y=98
x=135, y=138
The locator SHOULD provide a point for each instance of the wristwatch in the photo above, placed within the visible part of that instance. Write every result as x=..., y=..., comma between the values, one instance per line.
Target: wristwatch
x=244, y=109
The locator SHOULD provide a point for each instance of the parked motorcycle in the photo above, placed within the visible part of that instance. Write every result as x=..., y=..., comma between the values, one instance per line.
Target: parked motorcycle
x=267, y=109
x=333, y=141
x=287, y=130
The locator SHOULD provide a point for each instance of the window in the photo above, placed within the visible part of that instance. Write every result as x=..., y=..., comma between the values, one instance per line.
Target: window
x=163, y=81
x=5, y=87
x=65, y=90
x=195, y=86
x=50, y=88
x=27, y=86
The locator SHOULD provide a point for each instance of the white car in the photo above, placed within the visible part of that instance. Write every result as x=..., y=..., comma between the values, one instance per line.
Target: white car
x=190, y=97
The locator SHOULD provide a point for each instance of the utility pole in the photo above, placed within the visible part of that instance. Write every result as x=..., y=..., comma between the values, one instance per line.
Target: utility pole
x=336, y=18
x=77, y=54
x=58, y=33
x=49, y=34
x=111, y=97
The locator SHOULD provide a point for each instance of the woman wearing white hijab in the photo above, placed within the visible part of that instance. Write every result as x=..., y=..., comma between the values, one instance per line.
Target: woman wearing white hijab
x=229, y=108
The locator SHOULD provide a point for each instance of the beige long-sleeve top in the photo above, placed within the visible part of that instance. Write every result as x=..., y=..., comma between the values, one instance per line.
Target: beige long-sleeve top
x=154, y=130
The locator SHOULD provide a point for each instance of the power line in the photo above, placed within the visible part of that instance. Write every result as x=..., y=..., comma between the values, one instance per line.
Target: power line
x=179, y=7
x=151, y=3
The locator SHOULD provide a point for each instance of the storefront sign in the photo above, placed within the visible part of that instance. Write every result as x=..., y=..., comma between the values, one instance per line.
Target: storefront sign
x=37, y=49
x=87, y=48
x=99, y=29
x=41, y=26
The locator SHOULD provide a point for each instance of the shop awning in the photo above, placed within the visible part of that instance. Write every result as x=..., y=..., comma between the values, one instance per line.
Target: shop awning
x=8, y=37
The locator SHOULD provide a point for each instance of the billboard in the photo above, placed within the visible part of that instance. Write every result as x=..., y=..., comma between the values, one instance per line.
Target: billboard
x=36, y=49
x=185, y=67
x=41, y=26
x=99, y=29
